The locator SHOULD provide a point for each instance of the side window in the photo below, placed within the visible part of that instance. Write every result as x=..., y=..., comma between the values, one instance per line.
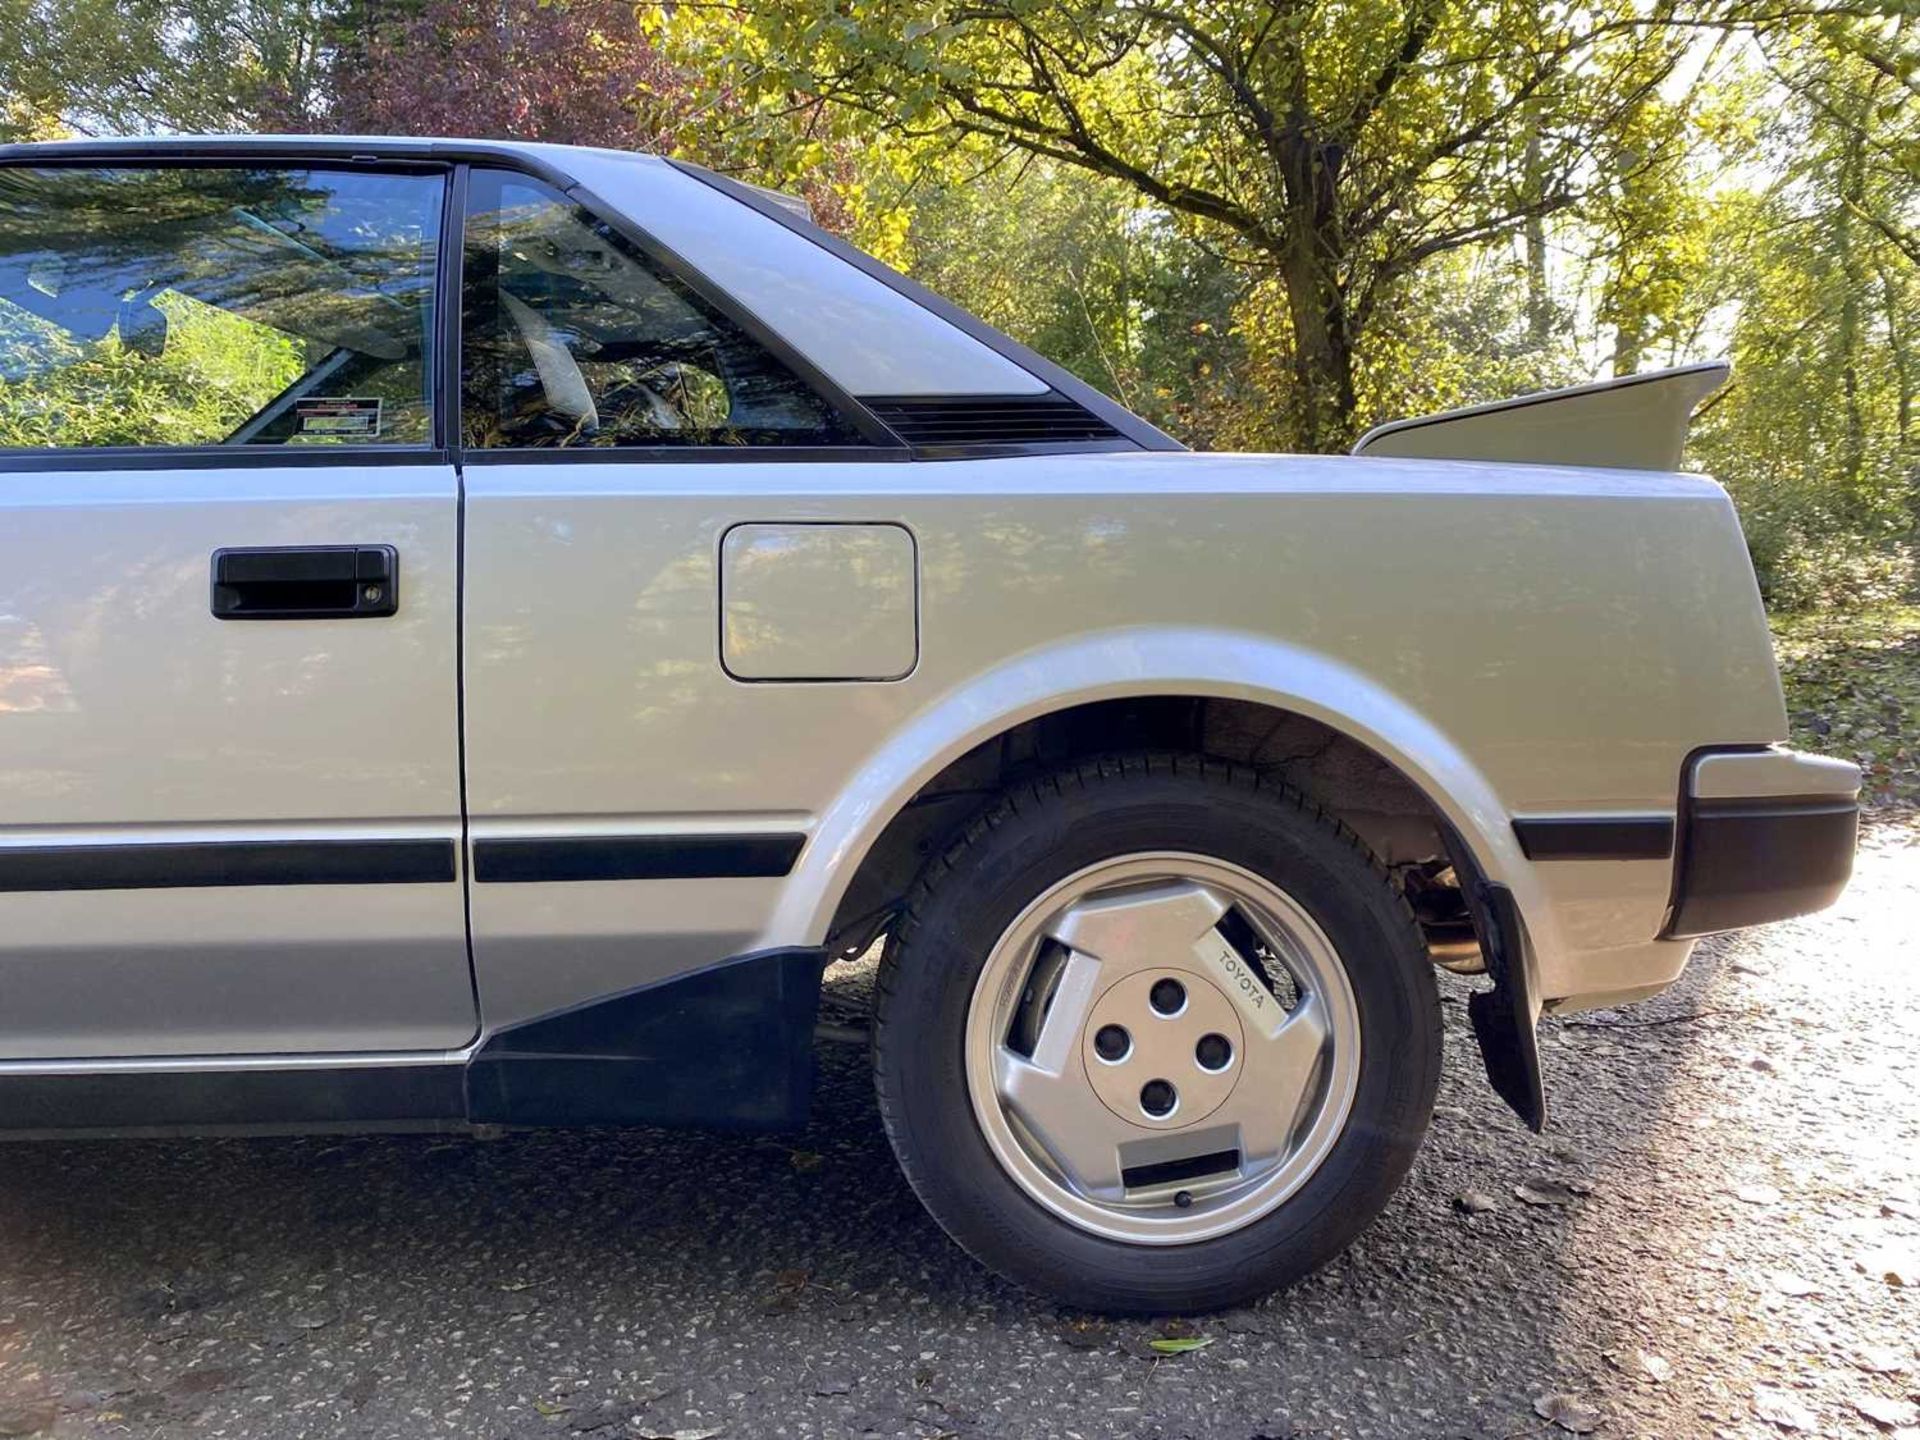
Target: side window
x=574, y=337
x=182, y=306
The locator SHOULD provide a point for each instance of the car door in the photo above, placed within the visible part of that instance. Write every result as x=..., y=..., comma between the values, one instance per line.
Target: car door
x=229, y=742
x=623, y=438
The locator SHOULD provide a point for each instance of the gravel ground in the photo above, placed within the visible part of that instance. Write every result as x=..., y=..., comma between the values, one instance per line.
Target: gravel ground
x=1729, y=1179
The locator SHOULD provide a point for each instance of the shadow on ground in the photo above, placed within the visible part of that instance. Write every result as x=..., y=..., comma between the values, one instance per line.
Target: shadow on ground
x=643, y=1284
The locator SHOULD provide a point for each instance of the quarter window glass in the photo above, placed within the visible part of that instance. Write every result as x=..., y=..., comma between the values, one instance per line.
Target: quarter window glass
x=177, y=306
x=573, y=337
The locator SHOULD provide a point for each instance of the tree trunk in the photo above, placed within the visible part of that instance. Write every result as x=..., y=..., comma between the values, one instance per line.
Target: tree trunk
x=1629, y=342
x=1322, y=354
x=1311, y=263
x=1539, y=297
x=1852, y=281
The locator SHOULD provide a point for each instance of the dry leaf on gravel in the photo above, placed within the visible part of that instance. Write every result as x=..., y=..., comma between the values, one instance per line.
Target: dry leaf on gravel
x=1568, y=1412
x=1788, y=1283
x=1880, y=1359
x=1641, y=1362
x=1474, y=1202
x=26, y=1417
x=1885, y=1413
x=1777, y=1407
x=1758, y=1194
x=1896, y=1265
x=1550, y=1192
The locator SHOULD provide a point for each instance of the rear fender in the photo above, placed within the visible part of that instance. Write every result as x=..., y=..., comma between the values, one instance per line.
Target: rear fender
x=1138, y=662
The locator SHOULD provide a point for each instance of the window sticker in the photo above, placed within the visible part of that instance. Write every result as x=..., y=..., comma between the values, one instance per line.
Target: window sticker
x=346, y=417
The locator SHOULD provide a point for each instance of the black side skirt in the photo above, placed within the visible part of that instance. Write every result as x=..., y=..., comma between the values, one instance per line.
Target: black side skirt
x=261, y=1101
x=728, y=1047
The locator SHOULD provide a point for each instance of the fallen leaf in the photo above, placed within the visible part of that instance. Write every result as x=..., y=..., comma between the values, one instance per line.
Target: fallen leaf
x=551, y=1408
x=806, y=1162
x=1758, y=1194
x=27, y=1417
x=1640, y=1362
x=1182, y=1345
x=1777, y=1407
x=1474, y=1202
x=1788, y=1283
x=1550, y=1192
x=1887, y=1414
x=1896, y=1265
x=1568, y=1412
x=1879, y=1359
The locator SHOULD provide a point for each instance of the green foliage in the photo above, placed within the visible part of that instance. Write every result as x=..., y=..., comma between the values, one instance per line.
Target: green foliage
x=1259, y=225
x=1816, y=438
x=1332, y=148
x=218, y=369
x=128, y=66
x=1853, y=688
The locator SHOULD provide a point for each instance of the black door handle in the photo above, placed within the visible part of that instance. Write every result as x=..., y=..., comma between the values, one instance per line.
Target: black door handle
x=306, y=582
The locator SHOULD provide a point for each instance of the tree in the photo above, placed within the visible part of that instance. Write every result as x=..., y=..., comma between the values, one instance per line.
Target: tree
x=577, y=73
x=137, y=66
x=1335, y=146
x=1816, y=437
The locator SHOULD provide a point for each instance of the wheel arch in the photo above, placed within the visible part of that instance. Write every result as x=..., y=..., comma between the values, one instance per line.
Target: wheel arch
x=1145, y=673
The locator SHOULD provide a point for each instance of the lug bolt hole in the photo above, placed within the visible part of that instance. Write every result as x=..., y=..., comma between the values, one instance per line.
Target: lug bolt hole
x=1158, y=1098
x=1112, y=1043
x=1168, y=997
x=1214, y=1052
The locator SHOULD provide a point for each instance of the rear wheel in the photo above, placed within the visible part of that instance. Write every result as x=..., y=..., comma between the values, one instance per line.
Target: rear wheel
x=1155, y=1036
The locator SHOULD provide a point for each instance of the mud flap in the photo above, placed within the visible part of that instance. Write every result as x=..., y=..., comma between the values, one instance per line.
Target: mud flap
x=1505, y=1017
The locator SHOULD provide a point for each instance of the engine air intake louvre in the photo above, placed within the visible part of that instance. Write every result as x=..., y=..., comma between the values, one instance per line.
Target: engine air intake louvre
x=988, y=419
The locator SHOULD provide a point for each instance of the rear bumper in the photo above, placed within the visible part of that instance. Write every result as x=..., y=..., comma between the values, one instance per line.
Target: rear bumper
x=1763, y=835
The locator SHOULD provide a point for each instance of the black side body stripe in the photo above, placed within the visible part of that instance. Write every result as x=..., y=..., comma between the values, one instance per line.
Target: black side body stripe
x=1600, y=838
x=226, y=862
x=635, y=857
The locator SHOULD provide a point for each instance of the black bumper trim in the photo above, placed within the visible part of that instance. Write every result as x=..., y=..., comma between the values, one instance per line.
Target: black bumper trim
x=1600, y=837
x=1752, y=860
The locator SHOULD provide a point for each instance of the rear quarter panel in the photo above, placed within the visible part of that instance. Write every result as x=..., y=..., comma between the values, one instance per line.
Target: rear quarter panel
x=1524, y=640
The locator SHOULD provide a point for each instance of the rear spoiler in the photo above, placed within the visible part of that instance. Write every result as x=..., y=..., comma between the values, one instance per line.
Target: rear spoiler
x=1637, y=422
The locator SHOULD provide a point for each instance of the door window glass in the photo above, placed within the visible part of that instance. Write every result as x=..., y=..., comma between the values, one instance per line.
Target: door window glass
x=184, y=306
x=573, y=337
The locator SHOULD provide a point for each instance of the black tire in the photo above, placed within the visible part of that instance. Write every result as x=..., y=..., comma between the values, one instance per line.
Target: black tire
x=1035, y=835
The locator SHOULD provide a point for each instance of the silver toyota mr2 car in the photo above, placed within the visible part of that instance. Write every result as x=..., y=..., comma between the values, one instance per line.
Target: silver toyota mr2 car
x=482, y=626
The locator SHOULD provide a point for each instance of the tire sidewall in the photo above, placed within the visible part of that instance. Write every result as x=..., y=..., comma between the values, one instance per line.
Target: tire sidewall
x=1028, y=846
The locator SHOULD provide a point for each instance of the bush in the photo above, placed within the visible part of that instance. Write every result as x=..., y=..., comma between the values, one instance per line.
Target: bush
x=1827, y=569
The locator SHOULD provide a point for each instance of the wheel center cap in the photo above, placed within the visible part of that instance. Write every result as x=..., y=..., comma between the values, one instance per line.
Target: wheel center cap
x=1162, y=1048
